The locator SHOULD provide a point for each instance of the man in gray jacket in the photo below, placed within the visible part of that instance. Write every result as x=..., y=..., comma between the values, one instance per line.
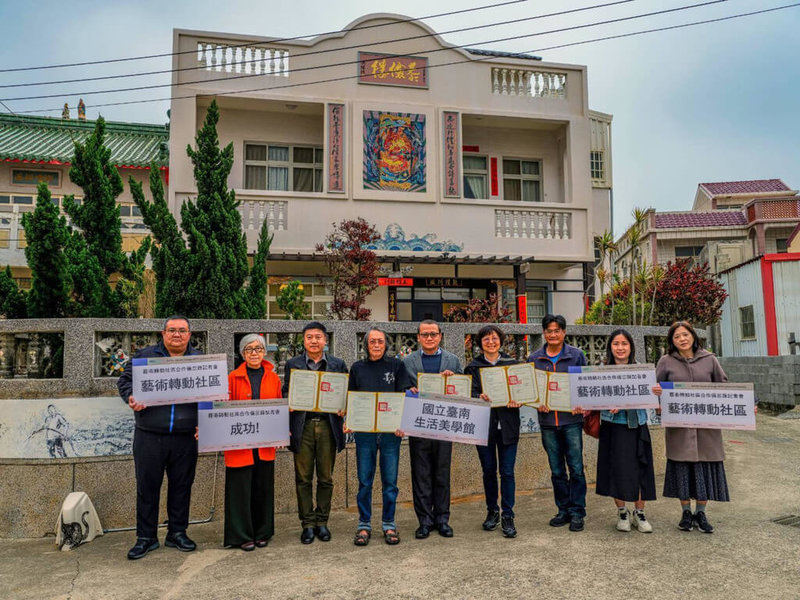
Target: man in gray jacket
x=430, y=459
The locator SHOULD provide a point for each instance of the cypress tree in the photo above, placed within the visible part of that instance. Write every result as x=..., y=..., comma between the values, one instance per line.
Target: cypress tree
x=47, y=235
x=12, y=299
x=204, y=272
x=97, y=216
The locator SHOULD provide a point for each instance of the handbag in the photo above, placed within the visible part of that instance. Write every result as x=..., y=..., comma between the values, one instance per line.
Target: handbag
x=591, y=424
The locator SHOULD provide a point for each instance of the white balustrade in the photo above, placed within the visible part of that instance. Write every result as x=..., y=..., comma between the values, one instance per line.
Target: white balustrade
x=254, y=212
x=529, y=83
x=242, y=58
x=533, y=224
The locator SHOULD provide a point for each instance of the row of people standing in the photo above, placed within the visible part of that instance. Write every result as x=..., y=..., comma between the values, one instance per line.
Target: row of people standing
x=163, y=441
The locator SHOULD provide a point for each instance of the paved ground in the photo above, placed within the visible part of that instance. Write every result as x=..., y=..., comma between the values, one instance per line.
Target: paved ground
x=747, y=557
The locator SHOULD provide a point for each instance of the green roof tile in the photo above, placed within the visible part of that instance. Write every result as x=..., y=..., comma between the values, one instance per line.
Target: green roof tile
x=36, y=139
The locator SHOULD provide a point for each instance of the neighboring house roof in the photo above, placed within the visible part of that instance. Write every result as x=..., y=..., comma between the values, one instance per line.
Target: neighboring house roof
x=756, y=186
x=499, y=54
x=717, y=218
x=51, y=140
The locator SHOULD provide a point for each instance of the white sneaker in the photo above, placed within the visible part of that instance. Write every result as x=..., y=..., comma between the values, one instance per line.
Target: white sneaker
x=641, y=523
x=623, y=522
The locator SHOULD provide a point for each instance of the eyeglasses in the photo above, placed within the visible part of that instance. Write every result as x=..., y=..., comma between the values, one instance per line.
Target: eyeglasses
x=553, y=331
x=256, y=350
x=429, y=334
x=173, y=331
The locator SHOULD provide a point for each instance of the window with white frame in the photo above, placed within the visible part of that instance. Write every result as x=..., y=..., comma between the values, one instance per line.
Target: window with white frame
x=747, y=322
x=476, y=177
x=537, y=304
x=522, y=180
x=597, y=166
x=283, y=167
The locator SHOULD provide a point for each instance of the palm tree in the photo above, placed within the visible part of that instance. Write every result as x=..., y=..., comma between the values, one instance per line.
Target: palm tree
x=605, y=246
x=656, y=275
x=634, y=237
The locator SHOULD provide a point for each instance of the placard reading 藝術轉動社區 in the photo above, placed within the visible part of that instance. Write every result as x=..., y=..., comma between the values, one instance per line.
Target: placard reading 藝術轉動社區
x=708, y=405
x=242, y=424
x=446, y=417
x=180, y=379
x=613, y=386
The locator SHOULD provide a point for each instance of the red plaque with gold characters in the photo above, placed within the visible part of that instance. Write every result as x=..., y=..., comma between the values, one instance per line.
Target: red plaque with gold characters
x=390, y=69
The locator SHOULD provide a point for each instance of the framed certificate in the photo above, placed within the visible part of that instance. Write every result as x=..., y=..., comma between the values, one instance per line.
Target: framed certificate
x=449, y=385
x=374, y=412
x=317, y=391
x=513, y=382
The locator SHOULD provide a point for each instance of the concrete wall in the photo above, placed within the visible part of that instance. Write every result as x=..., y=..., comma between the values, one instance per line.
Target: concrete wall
x=33, y=489
x=776, y=378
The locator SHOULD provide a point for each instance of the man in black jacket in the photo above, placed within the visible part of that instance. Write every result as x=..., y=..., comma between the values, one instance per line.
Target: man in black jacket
x=163, y=440
x=315, y=438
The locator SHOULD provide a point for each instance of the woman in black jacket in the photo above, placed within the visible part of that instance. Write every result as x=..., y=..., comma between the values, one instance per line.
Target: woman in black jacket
x=501, y=450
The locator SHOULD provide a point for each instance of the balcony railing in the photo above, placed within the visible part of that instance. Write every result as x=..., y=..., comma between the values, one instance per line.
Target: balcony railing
x=533, y=224
x=528, y=82
x=255, y=212
x=242, y=58
x=787, y=208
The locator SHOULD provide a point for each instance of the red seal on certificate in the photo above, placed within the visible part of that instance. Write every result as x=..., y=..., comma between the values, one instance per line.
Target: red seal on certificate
x=383, y=407
x=514, y=380
x=553, y=386
x=325, y=386
x=450, y=390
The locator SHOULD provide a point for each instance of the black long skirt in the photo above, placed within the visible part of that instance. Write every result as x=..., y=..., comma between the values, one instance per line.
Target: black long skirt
x=249, y=502
x=696, y=480
x=625, y=463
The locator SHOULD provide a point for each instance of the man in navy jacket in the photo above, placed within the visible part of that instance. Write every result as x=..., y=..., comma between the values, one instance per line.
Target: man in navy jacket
x=562, y=432
x=163, y=440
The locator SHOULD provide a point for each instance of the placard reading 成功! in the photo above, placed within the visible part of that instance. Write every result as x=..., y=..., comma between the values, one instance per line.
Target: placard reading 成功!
x=242, y=424
x=180, y=379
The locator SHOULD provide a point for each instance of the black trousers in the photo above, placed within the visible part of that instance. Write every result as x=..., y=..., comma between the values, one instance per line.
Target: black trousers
x=153, y=455
x=430, y=479
x=249, y=502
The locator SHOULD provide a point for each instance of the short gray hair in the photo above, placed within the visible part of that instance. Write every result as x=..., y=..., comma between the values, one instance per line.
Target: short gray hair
x=249, y=339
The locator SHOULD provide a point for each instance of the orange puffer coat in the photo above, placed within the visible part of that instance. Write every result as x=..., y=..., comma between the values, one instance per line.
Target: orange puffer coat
x=239, y=389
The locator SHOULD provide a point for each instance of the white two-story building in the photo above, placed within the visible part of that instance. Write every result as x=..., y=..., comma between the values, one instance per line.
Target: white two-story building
x=483, y=172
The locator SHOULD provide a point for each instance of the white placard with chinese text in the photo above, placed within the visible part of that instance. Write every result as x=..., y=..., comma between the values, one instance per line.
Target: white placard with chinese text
x=708, y=405
x=446, y=417
x=242, y=424
x=180, y=379
x=613, y=386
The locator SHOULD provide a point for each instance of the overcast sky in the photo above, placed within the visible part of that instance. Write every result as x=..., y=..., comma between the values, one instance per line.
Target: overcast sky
x=715, y=102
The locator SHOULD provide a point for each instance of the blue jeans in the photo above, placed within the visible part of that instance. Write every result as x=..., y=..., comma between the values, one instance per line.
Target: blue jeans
x=564, y=447
x=367, y=447
x=504, y=455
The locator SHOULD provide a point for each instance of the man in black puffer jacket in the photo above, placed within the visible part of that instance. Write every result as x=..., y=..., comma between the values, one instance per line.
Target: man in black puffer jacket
x=163, y=440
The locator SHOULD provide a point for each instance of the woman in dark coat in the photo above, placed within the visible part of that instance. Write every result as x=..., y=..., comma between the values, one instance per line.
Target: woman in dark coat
x=501, y=450
x=695, y=467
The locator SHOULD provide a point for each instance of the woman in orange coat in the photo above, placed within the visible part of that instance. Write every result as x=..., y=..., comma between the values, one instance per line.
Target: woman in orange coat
x=250, y=474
